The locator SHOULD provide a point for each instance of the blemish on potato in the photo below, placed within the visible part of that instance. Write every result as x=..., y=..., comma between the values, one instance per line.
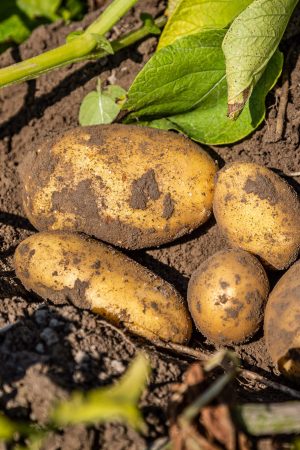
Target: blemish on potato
x=168, y=206
x=144, y=189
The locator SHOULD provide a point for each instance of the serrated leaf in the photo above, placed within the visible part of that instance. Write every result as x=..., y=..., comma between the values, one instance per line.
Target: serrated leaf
x=101, y=107
x=13, y=29
x=193, y=16
x=40, y=8
x=108, y=403
x=209, y=123
x=103, y=43
x=178, y=77
x=249, y=45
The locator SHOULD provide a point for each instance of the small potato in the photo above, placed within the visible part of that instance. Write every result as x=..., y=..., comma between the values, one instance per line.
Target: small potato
x=128, y=185
x=227, y=295
x=259, y=212
x=66, y=267
x=282, y=323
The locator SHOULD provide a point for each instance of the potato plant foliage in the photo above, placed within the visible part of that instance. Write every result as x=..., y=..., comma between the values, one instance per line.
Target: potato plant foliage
x=19, y=17
x=206, y=80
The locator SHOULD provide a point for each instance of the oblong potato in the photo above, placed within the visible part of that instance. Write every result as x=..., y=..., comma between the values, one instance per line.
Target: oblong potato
x=282, y=323
x=131, y=186
x=63, y=267
x=259, y=212
x=227, y=296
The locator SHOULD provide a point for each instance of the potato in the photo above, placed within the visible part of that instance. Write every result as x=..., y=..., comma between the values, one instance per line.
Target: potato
x=63, y=267
x=131, y=186
x=282, y=323
x=227, y=295
x=259, y=212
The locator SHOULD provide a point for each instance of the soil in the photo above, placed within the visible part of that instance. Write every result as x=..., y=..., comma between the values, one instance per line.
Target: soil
x=46, y=350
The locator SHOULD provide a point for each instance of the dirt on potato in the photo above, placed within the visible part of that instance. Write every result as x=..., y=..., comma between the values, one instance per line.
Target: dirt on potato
x=47, y=351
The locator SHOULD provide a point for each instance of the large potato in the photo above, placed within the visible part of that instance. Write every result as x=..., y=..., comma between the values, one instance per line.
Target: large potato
x=282, y=323
x=70, y=267
x=128, y=185
x=227, y=296
x=259, y=212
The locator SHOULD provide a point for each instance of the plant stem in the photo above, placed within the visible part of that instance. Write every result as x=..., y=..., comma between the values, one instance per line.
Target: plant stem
x=272, y=418
x=75, y=50
x=60, y=56
x=213, y=391
x=137, y=35
x=110, y=16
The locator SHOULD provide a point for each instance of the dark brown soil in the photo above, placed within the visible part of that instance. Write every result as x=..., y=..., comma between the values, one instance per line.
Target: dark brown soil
x=46, y=351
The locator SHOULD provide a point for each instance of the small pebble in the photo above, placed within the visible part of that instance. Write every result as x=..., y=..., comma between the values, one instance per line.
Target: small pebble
x=80, y=356
x=49, y=336
x=41, y=316
x=54, y=323
x=40, y=348
x=117, y=366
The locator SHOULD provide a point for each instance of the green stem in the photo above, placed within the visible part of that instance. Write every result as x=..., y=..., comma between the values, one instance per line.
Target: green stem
x=60, y=56
x=110, y=16
x=137, y=35
x=68, y=53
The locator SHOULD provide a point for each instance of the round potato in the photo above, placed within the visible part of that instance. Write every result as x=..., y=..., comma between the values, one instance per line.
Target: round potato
x=259, y=212
x=64, y=267
x=227, y=295
x=131, y=186
x=282, y=323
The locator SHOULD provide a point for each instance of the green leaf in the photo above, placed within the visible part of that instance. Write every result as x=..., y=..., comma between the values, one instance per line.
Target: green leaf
x=13, y=29
x=101, y=107
x=117, y=93
x=249, y=45
x=185, y=83
x=209, y=123
x=178, y=77
x=103, y=44
x=161, y=124
x=7, y=428
x=149, y=23
x=193, y=16
x=73, y=9
x=40, y=8
x=119, y=402
x=172, y=5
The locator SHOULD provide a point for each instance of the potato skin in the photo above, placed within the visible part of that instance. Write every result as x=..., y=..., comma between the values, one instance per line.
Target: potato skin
x=227, y=295
x=259, y=212
x=282, y=323
x=131, y=186
x=64, y=267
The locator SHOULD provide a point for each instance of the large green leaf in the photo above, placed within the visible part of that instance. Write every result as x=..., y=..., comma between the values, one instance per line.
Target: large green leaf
x=178, y=77
x=119, y=402
x=209, y=123
x=193, y=16
x=249, y=45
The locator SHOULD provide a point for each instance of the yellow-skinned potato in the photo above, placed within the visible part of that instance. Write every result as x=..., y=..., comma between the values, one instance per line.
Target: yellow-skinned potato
x=282, y=323
x=130, y=186
x=227, y=296
x=63, y=267
x=259, y=212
